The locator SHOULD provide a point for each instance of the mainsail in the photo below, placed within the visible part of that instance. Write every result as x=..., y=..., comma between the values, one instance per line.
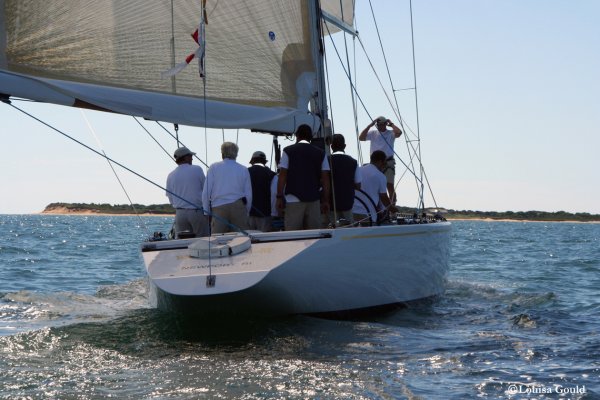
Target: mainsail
x=109, y=54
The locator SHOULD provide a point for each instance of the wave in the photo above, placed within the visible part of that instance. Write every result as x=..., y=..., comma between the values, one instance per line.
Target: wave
x=26, y=310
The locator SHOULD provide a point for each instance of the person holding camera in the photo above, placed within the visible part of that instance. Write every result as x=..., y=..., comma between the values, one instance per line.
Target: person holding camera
x=382, y=138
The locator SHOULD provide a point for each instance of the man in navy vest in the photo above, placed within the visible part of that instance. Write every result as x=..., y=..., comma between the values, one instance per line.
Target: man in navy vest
x=302, y=171
x=345, y=177
x=260, y=177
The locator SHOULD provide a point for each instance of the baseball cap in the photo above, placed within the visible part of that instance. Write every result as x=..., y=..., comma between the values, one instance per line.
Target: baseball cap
x=182, y=152
x=258, y=155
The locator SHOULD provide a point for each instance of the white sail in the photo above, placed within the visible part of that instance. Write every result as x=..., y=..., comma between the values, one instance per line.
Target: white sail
x=263, y=68
x=109, y=54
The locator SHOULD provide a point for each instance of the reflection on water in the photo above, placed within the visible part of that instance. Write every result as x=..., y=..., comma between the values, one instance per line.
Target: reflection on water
x=521, y=308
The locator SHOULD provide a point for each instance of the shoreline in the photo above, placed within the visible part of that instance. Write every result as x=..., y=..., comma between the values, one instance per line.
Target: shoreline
x=91, y=213
x=66, y=212
x=521, y=220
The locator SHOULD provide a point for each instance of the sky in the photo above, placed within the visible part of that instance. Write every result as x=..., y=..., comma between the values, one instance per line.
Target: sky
x=508, y=104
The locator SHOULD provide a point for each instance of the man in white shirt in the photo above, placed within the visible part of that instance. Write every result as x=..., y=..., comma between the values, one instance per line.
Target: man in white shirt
x=382, y=139
x=227, y=192
x=184, y=190
x=373, y=184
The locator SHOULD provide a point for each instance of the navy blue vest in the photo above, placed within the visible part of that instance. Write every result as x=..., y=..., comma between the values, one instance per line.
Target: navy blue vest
x=304, y=171
x=261, y=178
x=343, y=168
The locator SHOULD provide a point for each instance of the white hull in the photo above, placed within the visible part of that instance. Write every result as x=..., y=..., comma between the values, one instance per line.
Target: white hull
x=319, y=271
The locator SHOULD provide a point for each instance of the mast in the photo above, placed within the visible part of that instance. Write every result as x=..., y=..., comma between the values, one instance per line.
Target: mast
x=173, y=82
x=319, y=106
x=3, y=62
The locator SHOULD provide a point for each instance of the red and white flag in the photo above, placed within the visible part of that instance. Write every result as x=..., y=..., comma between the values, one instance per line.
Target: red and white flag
x=198, y=37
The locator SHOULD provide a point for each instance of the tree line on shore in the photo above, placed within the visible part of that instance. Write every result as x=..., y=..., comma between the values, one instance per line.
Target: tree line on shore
x=524, y=215
x=166, y=209
x=105, y=208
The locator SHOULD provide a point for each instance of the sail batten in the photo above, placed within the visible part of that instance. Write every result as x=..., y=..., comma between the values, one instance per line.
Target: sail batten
x=258, y=52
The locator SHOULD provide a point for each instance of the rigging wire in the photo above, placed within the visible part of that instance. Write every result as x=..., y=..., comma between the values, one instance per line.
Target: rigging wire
x=417, y=151
x=410, y=146
x=173, y=136
x=397, y=108
x=93, y=132
x=387, y=67
x=196, y=206
x=102, y=155
x=360, y=99
x=333, y=207
x=396, y=114
x=173, y=81
x=403, y=123
x=329, y=91
x=210, y=279
x=406, y=128
x=430, y=189
x=352, y=95
x=419, y=188
x=153, y=138
x=346, y=72
x=355, y=105
x=412, y=37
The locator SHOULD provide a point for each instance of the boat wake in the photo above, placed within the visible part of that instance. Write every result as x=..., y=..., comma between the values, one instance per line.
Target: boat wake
x=25, y=310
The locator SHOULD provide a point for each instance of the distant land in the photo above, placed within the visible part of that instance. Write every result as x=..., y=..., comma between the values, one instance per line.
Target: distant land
x=111, y=209
x=166, y=209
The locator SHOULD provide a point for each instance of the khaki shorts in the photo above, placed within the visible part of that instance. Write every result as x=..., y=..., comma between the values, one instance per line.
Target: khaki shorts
x=390, y=170
x=192, y=221
x=263, y=224
x=229, y=217
x=302, y=215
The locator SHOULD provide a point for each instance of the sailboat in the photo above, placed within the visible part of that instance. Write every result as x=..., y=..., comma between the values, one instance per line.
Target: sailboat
x=256, y=65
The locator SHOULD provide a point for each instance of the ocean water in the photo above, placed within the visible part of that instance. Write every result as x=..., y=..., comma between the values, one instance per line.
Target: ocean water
x=520, y=319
